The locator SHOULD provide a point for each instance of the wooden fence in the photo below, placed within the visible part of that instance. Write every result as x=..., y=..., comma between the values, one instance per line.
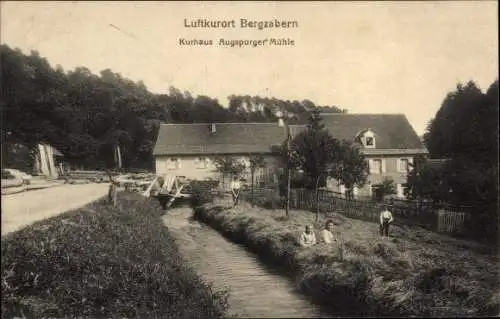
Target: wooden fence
x=405, y=212
x=263, y=178
x=449, y=221
x=331, y=201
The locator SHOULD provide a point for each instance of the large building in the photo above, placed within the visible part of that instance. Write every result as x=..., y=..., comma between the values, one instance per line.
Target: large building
x=388, y=142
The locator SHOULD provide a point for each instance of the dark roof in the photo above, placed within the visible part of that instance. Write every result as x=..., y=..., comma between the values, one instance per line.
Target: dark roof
x=228, y=138
x=392, y=131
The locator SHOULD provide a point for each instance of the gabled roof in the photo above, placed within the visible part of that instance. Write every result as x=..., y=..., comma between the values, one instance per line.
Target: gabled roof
x=392, y=132
x=229, y=138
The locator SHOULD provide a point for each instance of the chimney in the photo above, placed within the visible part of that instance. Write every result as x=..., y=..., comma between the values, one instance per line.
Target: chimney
x=212, y=129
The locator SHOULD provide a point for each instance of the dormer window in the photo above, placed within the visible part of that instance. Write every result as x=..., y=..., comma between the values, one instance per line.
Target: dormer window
x=368, y=139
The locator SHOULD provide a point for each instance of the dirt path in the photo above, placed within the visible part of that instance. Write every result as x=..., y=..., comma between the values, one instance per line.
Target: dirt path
x=22, y=209
x=254, y=291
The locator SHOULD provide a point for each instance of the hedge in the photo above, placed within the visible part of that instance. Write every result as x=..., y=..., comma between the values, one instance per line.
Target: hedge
x=103, y=261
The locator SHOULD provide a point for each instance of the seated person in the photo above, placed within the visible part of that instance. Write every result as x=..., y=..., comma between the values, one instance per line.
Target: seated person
x=307, y=238
x=327, y=233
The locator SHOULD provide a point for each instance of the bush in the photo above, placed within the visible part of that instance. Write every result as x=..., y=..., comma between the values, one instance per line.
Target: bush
x=102, y=261
x=265, y=198
x=200, y=197
x=201, y=191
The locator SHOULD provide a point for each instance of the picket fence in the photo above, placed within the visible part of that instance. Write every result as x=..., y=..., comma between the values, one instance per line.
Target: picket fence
x=449, y=221
x=405, y=212
x=262, y=178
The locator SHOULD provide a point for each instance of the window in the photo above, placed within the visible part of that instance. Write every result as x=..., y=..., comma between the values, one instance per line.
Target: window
x=173, y=163
x=201, y=162
x=403, y=165
x=375, y=166
x=370, y=141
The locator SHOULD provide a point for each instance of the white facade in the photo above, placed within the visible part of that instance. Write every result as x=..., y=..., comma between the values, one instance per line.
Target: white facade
x=201, y=167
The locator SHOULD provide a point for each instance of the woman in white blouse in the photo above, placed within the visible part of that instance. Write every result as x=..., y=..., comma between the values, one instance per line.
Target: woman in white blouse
x=327, y=233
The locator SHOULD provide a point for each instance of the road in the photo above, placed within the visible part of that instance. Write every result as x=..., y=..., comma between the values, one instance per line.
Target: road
x=22, y=209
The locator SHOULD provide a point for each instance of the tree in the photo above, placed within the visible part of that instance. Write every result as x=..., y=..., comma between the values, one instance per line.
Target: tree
x=465, y=130
x=86, y=115
x=312, y=151
x=319, y=156
x=256, y=162
x=228, y=165
x=351, y=168
x=452, y=130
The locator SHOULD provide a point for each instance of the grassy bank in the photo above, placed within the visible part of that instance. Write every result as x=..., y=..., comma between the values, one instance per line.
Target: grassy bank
x=415, y=272
x=101, y=261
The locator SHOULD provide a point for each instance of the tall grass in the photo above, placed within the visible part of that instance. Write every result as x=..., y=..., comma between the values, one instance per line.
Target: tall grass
x=416, y=272
x=103, y=261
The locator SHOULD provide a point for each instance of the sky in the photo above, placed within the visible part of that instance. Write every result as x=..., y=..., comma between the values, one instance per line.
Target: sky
x=366, y=57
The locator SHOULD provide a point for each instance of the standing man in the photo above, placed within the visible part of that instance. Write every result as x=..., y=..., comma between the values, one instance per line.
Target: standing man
x=385, y=220
x=112, y=192
x=235, y=190
x=162, y=193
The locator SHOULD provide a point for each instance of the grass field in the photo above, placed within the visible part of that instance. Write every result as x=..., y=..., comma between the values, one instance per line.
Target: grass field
x=103, y=261
x=415, y=272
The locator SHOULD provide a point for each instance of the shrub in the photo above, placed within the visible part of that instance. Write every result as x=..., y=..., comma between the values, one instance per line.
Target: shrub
x=201, y=193
x=268, y=200
x=102, y=261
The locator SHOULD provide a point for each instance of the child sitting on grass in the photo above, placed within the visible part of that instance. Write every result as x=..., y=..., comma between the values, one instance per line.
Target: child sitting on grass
x=307, y=238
